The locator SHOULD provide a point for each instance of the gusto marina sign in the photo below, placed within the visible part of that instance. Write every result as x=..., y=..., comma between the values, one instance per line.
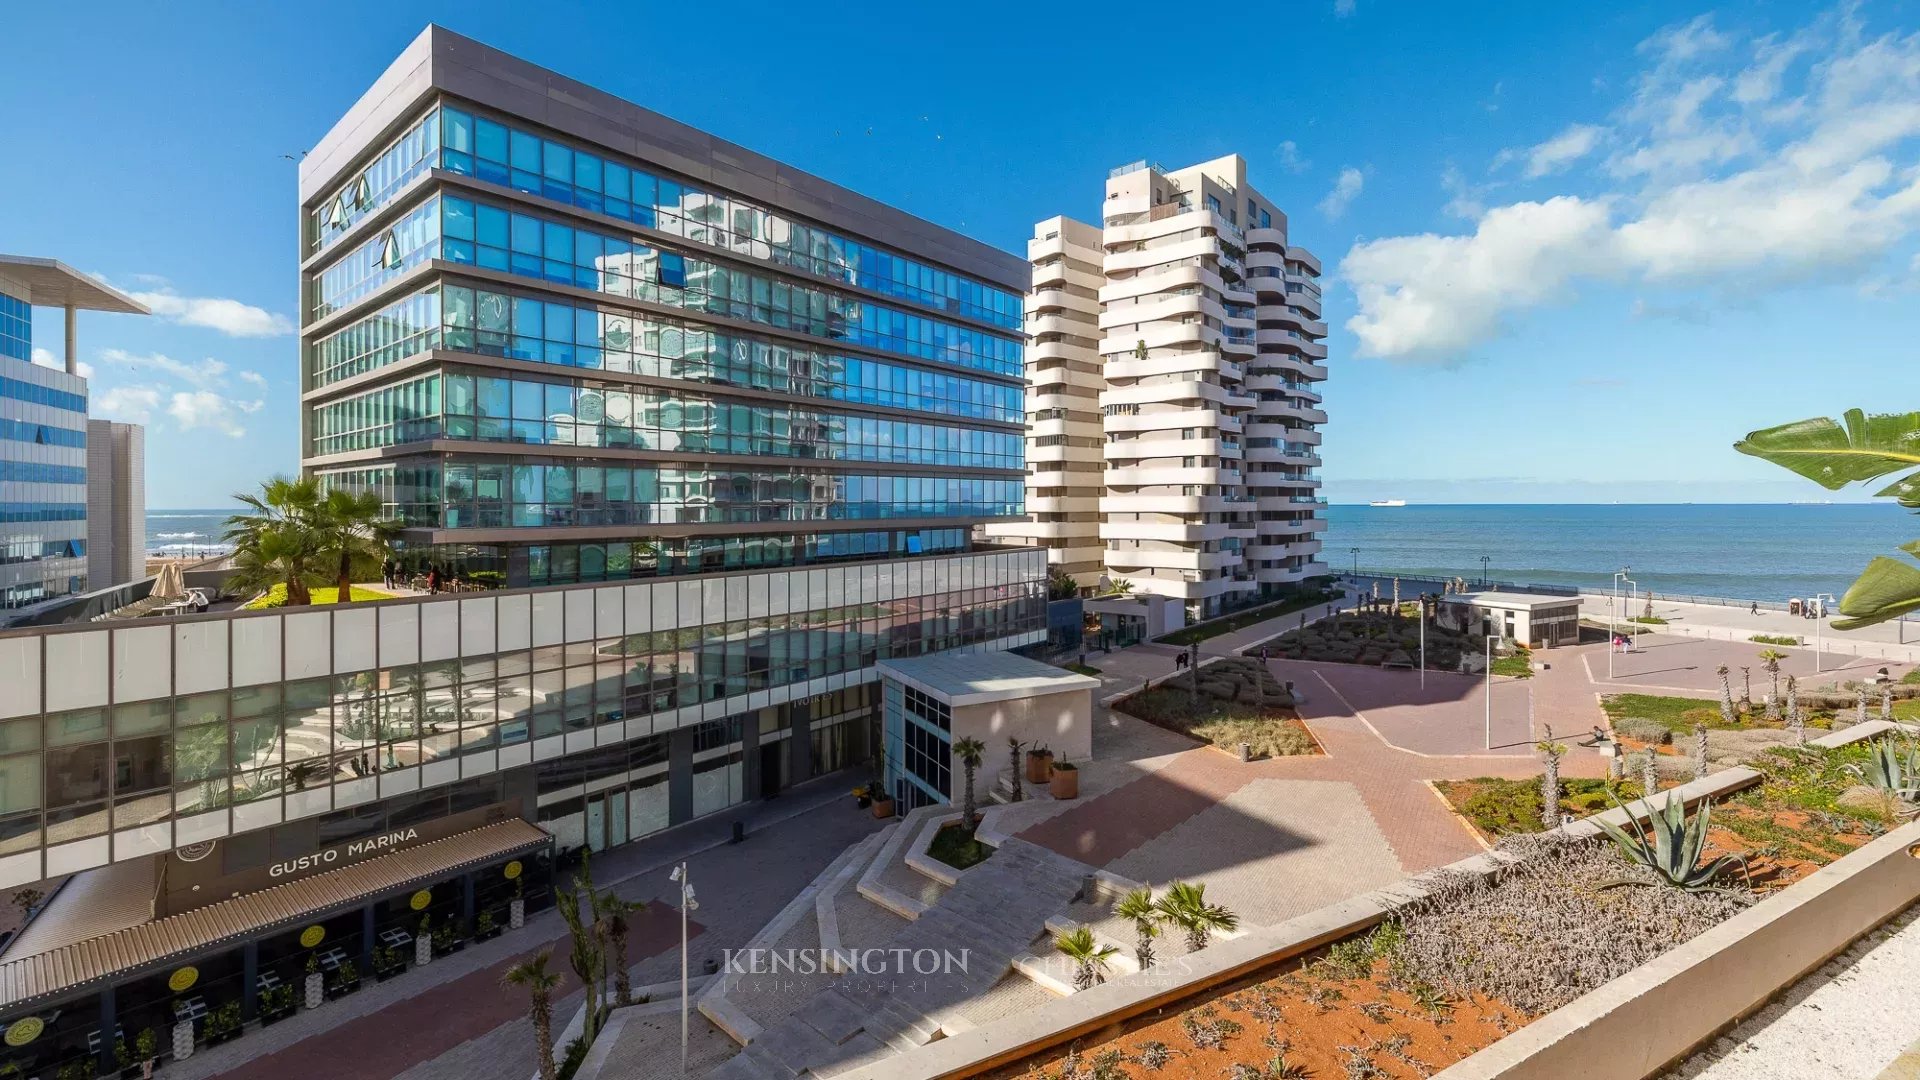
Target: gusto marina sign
x=351, y=850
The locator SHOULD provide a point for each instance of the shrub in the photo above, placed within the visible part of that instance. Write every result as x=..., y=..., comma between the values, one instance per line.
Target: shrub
x=1643, y=729
x=1773, y=639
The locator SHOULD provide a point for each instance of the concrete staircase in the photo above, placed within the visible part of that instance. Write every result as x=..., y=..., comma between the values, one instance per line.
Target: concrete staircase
x=989, y=917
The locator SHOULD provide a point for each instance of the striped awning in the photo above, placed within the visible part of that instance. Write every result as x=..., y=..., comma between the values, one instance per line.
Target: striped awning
x=99, y=959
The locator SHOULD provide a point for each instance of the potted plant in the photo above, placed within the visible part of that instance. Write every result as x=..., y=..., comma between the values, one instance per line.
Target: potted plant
x=444, y=942
x=484, y=926
x=223, y=1023
x=882, y=802
x=863, y=796
x=77, y=1069
x=146, y=1050
x=387, y=963
x=315, y=987
x=123, y=1057
x=1039, y=764
x=423, y=943
x=1065, y=781
x=276, y=1004
x=346, y=979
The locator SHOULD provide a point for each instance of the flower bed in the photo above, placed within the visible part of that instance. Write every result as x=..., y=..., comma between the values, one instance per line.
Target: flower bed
x=1479, y=957
x=1228, y=711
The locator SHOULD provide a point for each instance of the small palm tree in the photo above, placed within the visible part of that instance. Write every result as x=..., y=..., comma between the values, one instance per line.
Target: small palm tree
x=970, y=752
x=1138, y=907
x=532, y=975
x=1185, y=905
x=1726, y=695
x=1770, y=660
x=612, y=912
x=1088, y=955
x=1019, y=792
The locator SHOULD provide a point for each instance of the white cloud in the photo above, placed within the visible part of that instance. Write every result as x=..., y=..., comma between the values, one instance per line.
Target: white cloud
x=1343, y=9
x=1290, y=158
x=132, y=404
x=1736, y=169
x=230, y=317
x=208, y=372
x=1576, y=142
x=1464, y=199
x=1345, y=190
x=253, y=377
x=206, y=409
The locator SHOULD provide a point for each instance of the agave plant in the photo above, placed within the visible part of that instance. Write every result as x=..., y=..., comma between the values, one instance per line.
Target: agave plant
x=1891, y=768
x=1675, y=848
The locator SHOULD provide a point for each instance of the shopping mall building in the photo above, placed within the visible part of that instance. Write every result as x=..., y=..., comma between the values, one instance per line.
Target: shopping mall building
x=716, y=433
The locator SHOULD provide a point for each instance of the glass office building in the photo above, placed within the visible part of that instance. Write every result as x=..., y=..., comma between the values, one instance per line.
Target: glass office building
x=43, y=436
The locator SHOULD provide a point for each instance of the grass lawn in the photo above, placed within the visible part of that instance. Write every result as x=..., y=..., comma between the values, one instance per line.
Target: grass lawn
x=1519, y=665
x=957, y=848
x=1083, y=669
x=1202, y=631
x=1499, y=806
x=1648, y=620
x=277, y=596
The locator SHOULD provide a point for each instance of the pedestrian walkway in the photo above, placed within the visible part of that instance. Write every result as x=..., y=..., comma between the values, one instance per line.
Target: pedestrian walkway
x=1895, y=640
x=992, y=914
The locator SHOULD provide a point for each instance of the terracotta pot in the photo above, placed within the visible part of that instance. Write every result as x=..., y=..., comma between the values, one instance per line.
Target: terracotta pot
x=1065, y=784
x=1039, y=767
x=883, y=808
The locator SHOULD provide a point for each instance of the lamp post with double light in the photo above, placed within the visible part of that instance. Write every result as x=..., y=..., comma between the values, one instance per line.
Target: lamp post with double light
x=687, y=903
x=1613, y=611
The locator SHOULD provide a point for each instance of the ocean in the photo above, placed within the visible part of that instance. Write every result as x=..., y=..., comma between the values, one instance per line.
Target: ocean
x=1746, y=552
x=186, y=532
x=1760, y=552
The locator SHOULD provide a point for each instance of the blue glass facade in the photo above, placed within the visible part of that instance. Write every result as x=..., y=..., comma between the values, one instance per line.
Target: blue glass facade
x=43, y=474
x=655, y=328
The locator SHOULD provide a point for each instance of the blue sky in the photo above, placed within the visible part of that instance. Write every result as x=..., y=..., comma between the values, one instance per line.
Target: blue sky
x=1572, y=252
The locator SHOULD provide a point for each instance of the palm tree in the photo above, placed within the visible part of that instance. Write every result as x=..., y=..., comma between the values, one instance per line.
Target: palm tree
x=612, y=912
x=1770, y=660
x=1088, y=955
x=532, y=975
x=1746, y=688
x=1185, y=906
x=1833, y=456
x=969, y=751
x=352, y=531
x=1726, y=695
x=274, y=543
x=1138, y=907
x=1014, y=778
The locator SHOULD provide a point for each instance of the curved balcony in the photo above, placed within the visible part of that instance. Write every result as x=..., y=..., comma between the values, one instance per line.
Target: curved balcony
x=1135, y=558
x=1305, y=258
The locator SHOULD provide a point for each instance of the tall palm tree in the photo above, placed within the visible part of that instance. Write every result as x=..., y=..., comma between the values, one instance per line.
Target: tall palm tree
x=1770, y=660
x=970, y=752
x=1138, y=907
x=1746, y=688
x=352, y=531
x=532, y=975
x=274, y=544
x=1185, y=905
x=612, y=912
x=1726, y=695
x=1088, y=955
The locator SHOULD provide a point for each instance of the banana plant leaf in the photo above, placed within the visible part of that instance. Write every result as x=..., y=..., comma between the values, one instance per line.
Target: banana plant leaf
x=1833, y=456
x=1888, y=589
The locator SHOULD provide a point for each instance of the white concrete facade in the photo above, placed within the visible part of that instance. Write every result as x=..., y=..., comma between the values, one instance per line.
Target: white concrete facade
x=1206, y=353
x=116, y=503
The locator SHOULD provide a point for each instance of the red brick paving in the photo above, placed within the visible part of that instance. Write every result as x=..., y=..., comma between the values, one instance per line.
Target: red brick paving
x=1391, y=780
x=386, y=1043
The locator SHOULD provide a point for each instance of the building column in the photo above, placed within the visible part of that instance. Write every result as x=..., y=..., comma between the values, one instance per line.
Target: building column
x=109, y=1021
x=469, y=884
x=751, y=787
x=250, y=981
x=679, y=776
x=73, y=342
x=366, y=938
x=799, y=741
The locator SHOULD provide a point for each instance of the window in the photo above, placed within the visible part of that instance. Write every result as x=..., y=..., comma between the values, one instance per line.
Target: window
x=672, y=270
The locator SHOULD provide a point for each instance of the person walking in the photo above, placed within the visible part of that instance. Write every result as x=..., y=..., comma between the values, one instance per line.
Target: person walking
x=433, y=579
x=386, y=572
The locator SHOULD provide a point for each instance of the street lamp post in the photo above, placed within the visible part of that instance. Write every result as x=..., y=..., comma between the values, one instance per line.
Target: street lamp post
x=1613, y=610
x=1819, y=625
x=1489, y=691
x=687, y=903
x=1423, y=641
x=1484, y=560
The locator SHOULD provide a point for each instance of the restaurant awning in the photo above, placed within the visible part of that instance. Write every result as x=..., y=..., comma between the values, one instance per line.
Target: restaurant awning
x=102, y=958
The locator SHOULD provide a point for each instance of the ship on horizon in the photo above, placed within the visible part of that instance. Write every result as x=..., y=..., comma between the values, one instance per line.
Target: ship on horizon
x=1388, y=502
